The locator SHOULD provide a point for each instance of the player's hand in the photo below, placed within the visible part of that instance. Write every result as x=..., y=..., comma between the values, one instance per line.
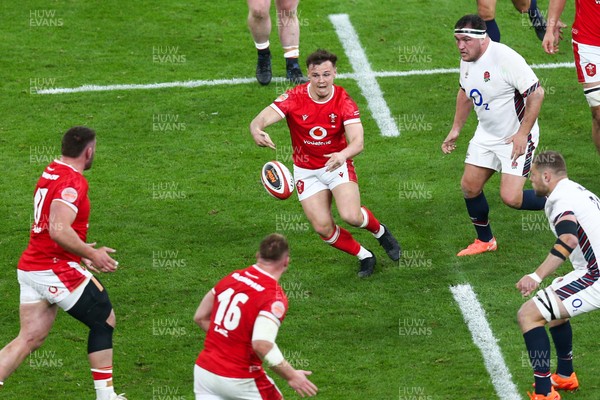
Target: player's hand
x=300, y=383
x=519, y=145
x=335, y=161
x=87, y=262
x=102, y=261
x=553, y=37
x=449, y=144
x=262, y=139
x=527, y=285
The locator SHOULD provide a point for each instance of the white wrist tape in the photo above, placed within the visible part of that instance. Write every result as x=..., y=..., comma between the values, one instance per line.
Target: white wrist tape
x=274, y=356
x=535, y=277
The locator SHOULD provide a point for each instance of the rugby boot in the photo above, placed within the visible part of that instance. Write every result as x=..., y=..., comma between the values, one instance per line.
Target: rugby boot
x=553, y=395
x=367, y=266
x=538, y=23
x=390, y=244
x=478, y=247
x=263, y=69
x=559, y=383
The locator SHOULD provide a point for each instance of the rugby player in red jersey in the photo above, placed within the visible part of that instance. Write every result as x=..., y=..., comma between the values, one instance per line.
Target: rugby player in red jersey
x=49, y=271
x=326, y=134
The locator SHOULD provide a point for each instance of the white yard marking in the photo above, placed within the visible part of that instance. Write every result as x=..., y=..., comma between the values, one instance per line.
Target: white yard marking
x=241, y=81
x=483, y=338
x=363, y=73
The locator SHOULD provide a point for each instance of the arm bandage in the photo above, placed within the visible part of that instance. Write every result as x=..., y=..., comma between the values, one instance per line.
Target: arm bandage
x=274, y=356
x=561, y=250
x=265, y=329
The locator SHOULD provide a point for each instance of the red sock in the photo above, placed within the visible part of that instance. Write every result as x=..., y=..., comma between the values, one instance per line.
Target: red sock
x=343, y=240
x=370, y=223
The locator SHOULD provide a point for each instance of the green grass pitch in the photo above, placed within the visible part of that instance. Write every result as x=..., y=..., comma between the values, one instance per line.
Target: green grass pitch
x=175, y=188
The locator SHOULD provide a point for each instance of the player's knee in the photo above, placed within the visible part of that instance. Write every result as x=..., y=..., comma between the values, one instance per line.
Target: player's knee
x=93, y=307
x=33, y=340
x=513, y=200
x=522, y=6
x=469, y=189
x=486, y=10
x=287, y=7
x=258, y=13
x=112, y=319
x=352, y=218
x=324, y=230
x=523, y=315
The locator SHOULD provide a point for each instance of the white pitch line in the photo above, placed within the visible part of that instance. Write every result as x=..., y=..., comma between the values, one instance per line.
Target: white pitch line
x=483, y=338
x=364, y=75
x=240, y=81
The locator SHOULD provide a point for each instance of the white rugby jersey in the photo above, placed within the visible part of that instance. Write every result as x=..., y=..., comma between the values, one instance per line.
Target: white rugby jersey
x=570, y=198
x=497, y=83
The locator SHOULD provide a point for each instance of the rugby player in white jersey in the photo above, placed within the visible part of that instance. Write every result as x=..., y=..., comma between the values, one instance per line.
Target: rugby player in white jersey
x=574, y=216
x=507, y=97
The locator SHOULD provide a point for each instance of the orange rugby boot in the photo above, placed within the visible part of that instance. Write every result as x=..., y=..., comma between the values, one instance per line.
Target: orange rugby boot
x=478, y=247
x=552, y=396
x=559, y=383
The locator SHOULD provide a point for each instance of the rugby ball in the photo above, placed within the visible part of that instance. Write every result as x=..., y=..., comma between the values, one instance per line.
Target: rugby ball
x=277, y=180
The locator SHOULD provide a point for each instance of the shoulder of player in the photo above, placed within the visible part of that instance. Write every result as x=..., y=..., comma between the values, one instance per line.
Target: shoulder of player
x=504, y=54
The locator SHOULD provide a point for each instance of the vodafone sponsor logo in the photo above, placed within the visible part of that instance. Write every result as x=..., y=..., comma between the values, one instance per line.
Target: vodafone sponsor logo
x=317, y=143
x=318, y=132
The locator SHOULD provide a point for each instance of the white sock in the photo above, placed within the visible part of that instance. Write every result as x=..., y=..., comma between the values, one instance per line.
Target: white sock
x=380, y=232
x=104, y=393
x=364, y=253
x=262, y=46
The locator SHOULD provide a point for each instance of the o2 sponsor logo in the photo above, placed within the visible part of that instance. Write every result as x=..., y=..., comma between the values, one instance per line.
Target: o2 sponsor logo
x=576, y=304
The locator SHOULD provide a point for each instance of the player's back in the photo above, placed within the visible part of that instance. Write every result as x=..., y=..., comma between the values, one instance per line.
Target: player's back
x=239, y=299
x=60, y=182
x=569, y=196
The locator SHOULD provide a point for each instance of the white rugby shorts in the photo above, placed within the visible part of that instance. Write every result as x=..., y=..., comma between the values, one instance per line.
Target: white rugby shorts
x=579, y=292
x=587, y=62
x=497, y=157
x=209, y=386
x=311, y=181
x=47, y=285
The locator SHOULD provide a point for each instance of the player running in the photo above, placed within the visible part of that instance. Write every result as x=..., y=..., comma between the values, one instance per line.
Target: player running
x=507, y=98
x=326, y=133
x=49, y=270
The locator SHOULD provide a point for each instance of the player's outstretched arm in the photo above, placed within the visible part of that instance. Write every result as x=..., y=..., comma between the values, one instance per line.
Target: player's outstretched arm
x=202, y=316
x=554, y=26
x=62, y=217
x=263, y=343
x=297, y=379
x=265, y=118
x=464, y=105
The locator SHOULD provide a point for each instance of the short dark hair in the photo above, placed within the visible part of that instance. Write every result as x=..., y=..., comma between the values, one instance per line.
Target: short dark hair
x=76, y=139
x=319, y=57
x=471, y=21
x=551, y=160
x=273, y=247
